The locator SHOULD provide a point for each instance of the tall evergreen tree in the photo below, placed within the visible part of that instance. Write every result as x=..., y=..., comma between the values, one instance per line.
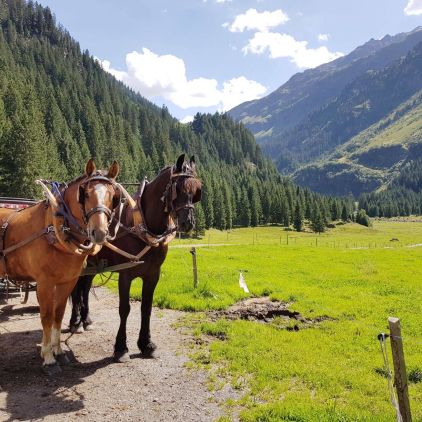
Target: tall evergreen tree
x=317, y=221
x=298, y=218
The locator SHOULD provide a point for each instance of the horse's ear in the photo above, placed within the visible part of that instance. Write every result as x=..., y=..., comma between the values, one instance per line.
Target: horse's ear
x=179, y=163
x=192, y=163
x=90, y=167
x=113, y=171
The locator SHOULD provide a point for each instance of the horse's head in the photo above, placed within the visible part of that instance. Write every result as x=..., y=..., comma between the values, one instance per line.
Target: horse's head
x=185, y=191
x=92, y=198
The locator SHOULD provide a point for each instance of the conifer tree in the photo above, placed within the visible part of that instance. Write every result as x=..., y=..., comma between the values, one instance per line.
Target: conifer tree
x=345, y=214
x=199, y=229
x=24, y=154
x=317, y=221
x=298, y=218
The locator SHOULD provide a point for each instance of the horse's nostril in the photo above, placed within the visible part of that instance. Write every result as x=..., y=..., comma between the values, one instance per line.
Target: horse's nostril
x=99, y=236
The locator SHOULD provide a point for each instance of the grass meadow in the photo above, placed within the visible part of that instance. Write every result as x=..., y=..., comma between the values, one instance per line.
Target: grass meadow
x=330, y=371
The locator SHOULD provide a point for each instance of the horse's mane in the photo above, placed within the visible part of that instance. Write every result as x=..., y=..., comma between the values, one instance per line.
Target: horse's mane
x=191, y=184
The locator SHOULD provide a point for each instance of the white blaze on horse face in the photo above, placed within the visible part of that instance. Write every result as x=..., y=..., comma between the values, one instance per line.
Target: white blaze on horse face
x=98, y=224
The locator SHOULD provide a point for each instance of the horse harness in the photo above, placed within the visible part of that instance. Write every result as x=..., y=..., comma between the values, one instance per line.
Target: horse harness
x=140, y=228
x=71, y=226
x=69, y=220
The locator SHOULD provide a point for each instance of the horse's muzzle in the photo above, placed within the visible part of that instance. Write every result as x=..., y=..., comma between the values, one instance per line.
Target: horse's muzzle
x=98, y=236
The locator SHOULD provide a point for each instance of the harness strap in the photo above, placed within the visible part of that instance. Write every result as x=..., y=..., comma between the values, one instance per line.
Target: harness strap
x=136, y=215
x=126, y=254
x=24, y=242
x=94, y=270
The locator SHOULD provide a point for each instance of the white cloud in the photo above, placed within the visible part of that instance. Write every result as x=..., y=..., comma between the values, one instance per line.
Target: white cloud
x=323, y=37
x=106, y=65
x=152, y=75
x=223, y=1
x=413, y=7
x=187, y=119
x=261, y=21
x=284, y=45
x=239, y=90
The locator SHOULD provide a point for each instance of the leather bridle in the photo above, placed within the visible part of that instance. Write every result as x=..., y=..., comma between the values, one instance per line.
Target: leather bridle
x=170, y=193
x=71, y=226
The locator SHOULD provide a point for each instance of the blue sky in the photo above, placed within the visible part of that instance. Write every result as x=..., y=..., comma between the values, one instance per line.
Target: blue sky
x=208, y=55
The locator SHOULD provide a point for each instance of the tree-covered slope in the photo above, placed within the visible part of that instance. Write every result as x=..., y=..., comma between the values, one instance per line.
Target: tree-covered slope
x=272, y=116
x=58, y=107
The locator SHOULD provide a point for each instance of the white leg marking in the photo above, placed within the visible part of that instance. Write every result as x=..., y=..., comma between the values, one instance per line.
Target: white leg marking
x=47, y=352
x=55, y=341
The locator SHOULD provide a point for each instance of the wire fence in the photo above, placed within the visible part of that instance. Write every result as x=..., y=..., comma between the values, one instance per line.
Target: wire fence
x=234, y=239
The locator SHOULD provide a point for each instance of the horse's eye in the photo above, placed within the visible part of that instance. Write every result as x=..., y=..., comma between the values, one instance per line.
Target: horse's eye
x=86, y=195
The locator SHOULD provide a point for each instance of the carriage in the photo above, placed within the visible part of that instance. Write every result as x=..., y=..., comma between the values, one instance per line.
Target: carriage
x=12, y=286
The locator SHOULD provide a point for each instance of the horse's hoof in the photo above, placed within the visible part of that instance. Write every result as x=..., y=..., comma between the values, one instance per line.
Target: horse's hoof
x=52, y=369
x=88, y=327
x=121, y=357
x=77, y=329
x=62, y=359
x=147, y=350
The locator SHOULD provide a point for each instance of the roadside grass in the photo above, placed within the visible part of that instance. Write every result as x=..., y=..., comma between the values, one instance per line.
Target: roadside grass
x=331, y=371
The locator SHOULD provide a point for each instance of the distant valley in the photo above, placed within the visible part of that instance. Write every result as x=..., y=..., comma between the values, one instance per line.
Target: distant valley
x=349, y=126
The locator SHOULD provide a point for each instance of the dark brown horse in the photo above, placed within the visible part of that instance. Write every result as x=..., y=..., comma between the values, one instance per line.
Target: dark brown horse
x=165, y=205
x=49, y=243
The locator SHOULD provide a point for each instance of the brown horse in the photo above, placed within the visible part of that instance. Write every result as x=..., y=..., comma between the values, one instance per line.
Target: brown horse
x=166, y=205
x=48, y=243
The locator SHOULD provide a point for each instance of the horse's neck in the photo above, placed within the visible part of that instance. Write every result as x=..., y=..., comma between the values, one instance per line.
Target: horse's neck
x=152, y=205
x=23, y=223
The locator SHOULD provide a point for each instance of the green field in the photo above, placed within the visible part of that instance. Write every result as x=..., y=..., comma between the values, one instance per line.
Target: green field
x=332, y=371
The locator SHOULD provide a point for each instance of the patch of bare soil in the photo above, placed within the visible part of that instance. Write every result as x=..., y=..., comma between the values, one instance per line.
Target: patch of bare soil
x=93, y=387
x=263, y=309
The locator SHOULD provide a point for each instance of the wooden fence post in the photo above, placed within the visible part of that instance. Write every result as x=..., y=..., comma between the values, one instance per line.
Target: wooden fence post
x=400, y=375
x=195, y=269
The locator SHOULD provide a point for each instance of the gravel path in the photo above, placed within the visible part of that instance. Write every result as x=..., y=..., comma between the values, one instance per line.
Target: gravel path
x=93, y=387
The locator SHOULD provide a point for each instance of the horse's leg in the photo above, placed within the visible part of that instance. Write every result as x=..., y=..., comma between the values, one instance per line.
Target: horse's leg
x=86, y=287
x=146, y=346
x=75, y=323
x=120, y=347
x=62, y=292
x=45, y=295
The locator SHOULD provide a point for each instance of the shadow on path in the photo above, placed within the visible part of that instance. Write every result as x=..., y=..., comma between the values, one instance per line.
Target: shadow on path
x=27, y=393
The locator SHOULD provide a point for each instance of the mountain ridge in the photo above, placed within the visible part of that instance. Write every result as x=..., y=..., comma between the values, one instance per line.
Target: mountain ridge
x=307, y=87
x=381, y=78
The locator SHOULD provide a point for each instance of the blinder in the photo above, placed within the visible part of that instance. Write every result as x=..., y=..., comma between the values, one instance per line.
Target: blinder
x=197, y=197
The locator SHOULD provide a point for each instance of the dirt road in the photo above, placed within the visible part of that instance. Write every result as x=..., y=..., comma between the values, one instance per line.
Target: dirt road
x=93, y=387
